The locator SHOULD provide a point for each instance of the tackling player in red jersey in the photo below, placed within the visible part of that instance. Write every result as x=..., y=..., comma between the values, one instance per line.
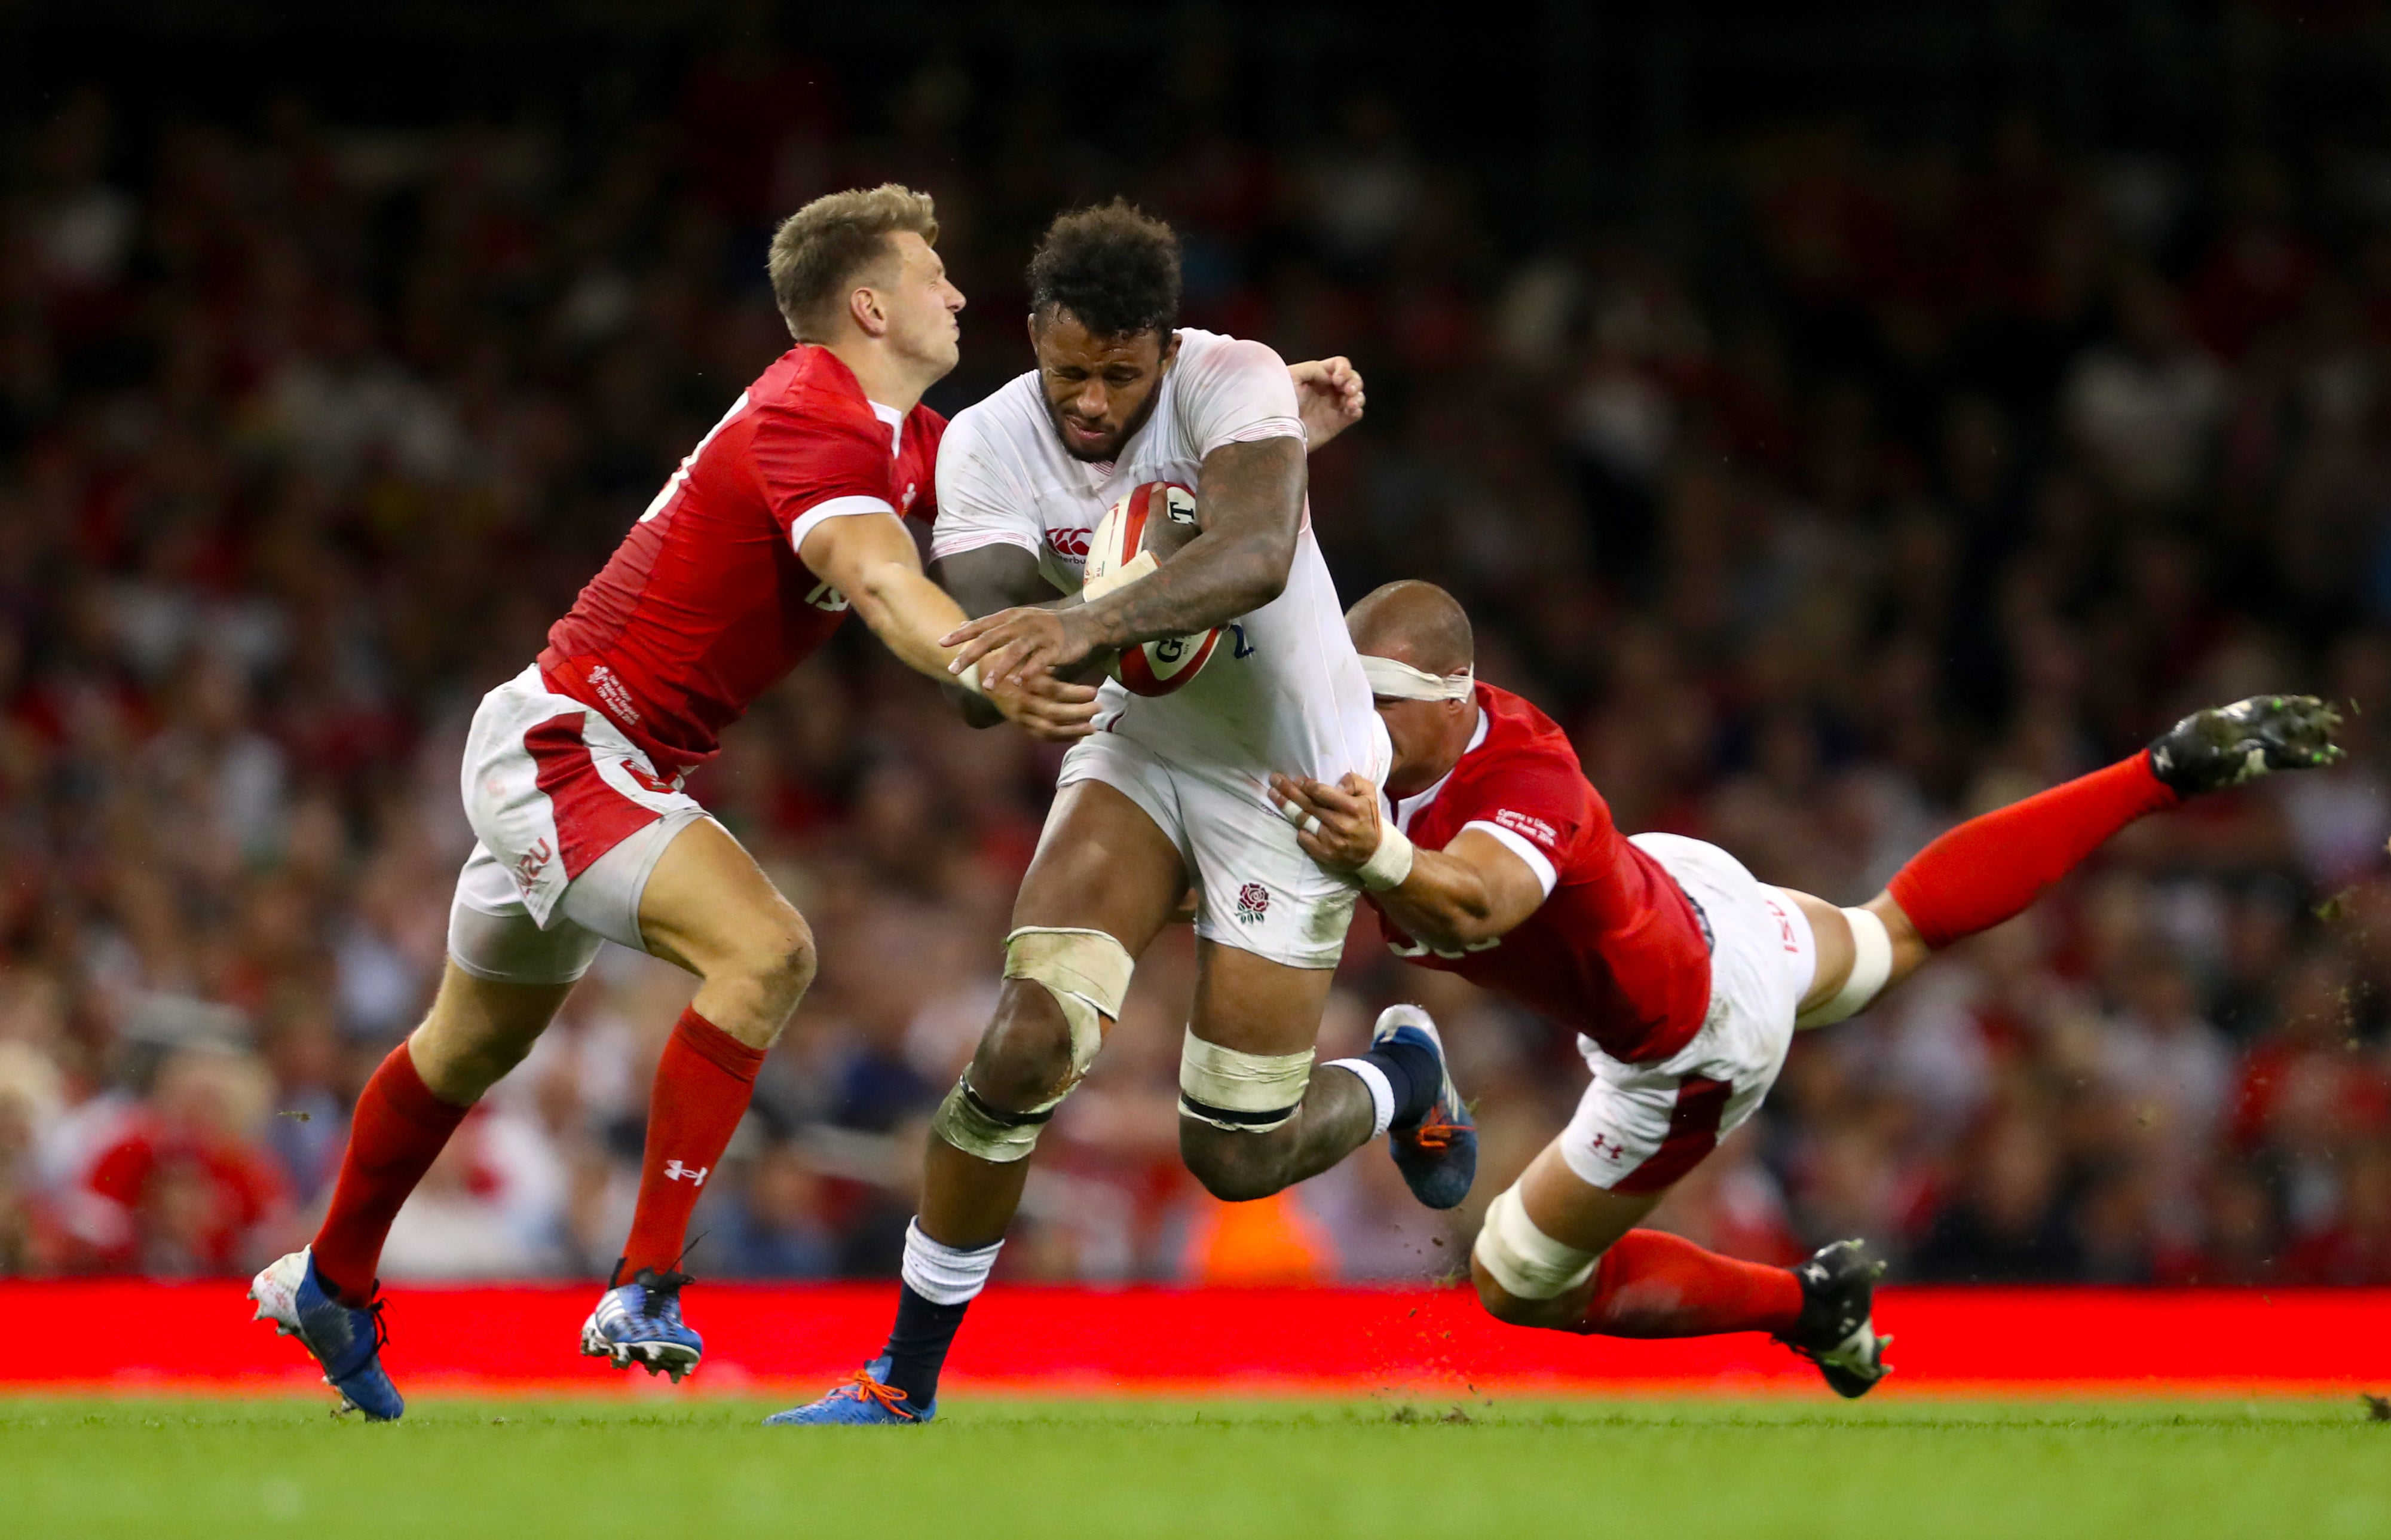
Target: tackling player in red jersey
x=785, y=515
x=1685, y=977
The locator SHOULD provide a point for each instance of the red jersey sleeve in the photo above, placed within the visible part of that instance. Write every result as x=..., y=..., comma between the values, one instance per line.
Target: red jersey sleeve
x=927, y=430
x=1539, y=806
x=810, y=469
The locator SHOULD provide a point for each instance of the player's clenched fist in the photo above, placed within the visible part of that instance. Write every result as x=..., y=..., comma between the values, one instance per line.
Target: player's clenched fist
x=1016, y=644
x=1328, y=397
x=1047, y=707
x=1337, y=826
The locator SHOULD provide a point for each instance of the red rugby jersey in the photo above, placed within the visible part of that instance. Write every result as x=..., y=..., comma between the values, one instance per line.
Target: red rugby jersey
x=1615, y=951
x=705, y=604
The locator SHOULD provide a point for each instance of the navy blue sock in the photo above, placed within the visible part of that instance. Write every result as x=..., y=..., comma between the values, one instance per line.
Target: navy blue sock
x=918, y=1343
x=1413, y=1073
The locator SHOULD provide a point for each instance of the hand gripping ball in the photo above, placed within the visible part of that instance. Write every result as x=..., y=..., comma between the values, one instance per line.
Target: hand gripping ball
x=1135, y=535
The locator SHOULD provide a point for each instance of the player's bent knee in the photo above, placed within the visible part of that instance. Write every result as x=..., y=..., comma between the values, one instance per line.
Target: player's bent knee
x=1029, y=1061
x=1529, y=1267
x=1240, y=1093
x=772, y=953
x=787, y=957
x=1087, y=973
x=1235, y=1168
x=1232, y=1105
x=1501, y=1304
x=1025, y=1056
x=478, y=1030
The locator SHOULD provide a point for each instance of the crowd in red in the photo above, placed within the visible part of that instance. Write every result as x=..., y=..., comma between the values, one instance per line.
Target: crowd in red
x=1919, y=477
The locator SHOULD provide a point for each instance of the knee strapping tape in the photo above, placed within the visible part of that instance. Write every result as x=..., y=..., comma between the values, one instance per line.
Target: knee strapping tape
x=1087, y=973
x=1243, y=1093
x=1872, y=965
x=1529, y=1264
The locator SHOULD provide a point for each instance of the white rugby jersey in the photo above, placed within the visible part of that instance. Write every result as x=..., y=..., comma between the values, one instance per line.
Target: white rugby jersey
x=1284, y=689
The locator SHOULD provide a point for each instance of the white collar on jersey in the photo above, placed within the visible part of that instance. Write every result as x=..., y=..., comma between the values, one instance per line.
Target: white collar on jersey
x=1411, y=805
x=895, y=421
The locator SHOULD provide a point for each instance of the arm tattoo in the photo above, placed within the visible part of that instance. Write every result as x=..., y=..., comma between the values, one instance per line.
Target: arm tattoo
x=1251, y=500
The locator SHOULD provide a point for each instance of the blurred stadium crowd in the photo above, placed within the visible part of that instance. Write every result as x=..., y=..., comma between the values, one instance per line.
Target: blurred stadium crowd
x=1925, y=477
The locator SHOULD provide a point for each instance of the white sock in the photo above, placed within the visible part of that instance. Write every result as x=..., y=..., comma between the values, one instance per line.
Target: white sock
x=1382, y=1091
x=942, y=1275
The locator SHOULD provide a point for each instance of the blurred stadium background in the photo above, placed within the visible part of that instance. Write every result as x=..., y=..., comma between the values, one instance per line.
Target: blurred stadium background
x=1840, y=424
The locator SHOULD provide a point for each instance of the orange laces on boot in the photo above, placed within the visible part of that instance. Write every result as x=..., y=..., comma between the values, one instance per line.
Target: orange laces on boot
x=864, y=1387
x=1436, y=1134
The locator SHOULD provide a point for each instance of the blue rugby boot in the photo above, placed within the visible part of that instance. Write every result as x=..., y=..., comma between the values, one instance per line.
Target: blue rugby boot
x=639, y=1323
x=863, y=1401
x=346, y=1341
x=1438, y=1153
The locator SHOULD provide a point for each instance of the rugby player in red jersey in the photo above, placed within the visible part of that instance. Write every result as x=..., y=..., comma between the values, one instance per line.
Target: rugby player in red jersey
x=786, y=514
x=1685, y=977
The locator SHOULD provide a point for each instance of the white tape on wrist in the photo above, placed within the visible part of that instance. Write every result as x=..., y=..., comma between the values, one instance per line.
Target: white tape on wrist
x=969, y=679
x=1390, y=863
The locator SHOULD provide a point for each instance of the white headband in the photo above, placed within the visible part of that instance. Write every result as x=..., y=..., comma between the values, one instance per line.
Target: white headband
x=1401, y=682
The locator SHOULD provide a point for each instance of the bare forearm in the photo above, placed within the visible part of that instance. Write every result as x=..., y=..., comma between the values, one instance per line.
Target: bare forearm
x=909, y=613
x=1251, y=498
x=984, y=581
x=1444, y=903
x=1213, y=580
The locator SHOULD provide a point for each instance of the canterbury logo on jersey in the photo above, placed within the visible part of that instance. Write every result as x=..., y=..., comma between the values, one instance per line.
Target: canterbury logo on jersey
x=680, y=478
x=1070, y=544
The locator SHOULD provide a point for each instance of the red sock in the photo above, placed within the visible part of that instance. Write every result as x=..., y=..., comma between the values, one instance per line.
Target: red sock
x=1990, y=868
x=1652, y=1284
x=703, y=1083
x=399, y=1130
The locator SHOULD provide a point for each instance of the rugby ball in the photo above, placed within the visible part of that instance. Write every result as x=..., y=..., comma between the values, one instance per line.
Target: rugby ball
x=1135, y=535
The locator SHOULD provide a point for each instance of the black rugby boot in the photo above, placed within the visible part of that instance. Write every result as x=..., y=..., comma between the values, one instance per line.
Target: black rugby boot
x=2232, y=745
x=1838, y=1287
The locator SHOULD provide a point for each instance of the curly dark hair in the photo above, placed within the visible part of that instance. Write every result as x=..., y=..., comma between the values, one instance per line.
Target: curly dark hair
x=1112, y=266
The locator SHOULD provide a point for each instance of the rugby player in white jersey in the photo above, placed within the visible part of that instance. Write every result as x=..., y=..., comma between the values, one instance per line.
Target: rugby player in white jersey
x=1171, y=793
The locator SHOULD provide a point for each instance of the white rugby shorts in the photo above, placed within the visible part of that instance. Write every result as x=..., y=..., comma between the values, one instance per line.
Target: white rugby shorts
x=1256, y=889
x=1639, y=1127
x=569, y=818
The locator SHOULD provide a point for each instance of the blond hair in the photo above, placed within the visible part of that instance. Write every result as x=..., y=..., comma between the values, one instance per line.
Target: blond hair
x=821, y=250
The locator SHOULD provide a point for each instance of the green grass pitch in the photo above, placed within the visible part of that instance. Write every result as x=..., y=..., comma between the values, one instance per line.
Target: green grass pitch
x=1643, y=1469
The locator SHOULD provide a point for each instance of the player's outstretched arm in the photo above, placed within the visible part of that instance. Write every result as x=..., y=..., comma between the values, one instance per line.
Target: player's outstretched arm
x=871, y=559
x=1249, y=504
x=1472, y=892
x=997, y=577
x=1328, y=397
